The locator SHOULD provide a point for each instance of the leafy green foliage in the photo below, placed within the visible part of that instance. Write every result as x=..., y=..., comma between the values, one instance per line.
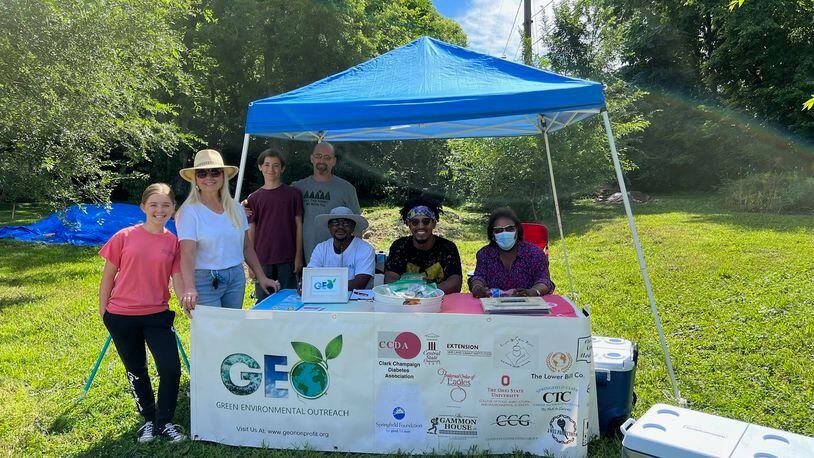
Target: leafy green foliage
x=134, y=88
x=722, y=86
x=84, y=91
x=763, y=61
x=514, y=171
x=249, y=49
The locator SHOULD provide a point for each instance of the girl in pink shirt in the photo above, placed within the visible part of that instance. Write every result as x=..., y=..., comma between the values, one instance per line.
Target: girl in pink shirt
x=134, y=305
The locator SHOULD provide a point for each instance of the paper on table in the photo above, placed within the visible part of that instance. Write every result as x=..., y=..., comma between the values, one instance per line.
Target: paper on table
x=361, y=295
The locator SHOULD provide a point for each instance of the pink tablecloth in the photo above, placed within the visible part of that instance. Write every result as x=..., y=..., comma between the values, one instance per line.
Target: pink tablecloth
x=465, y=303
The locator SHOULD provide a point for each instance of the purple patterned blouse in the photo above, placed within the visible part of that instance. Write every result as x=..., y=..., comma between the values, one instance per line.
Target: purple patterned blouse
x=530, y=268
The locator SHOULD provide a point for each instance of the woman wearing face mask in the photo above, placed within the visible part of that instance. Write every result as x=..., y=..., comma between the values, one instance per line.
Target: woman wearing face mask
x=507, y=262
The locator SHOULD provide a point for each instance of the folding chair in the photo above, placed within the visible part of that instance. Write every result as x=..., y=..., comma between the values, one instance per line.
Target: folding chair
x=537, y=234
x=102, y=355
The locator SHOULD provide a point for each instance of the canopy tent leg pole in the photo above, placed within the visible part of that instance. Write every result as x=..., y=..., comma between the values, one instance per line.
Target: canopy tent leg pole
x=571, y=290
x=243, y=154
x=618, y=166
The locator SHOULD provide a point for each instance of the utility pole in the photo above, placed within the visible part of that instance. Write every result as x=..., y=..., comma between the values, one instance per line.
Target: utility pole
x=527, y=32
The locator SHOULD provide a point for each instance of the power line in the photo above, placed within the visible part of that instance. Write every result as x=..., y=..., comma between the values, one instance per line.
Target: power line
x=512, y=29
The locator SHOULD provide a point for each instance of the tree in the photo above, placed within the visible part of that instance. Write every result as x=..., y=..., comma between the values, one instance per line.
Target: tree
x=84, y=89
x=514, y=171
x=249, y=49
x=717, y=83
x=809, y=104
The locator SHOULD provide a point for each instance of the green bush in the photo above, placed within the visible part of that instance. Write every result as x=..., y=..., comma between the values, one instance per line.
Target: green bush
x=770, y=192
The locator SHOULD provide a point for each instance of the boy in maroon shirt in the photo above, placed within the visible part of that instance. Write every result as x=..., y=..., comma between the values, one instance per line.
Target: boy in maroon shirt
x=275, y=224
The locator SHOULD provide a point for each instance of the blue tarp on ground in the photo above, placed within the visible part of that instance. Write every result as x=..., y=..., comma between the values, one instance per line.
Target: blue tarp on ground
x=427, y=89
x=91, y=225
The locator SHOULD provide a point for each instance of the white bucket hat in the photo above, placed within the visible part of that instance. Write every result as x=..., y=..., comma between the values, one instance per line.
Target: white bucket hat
x=207, y=159
x=343, y=213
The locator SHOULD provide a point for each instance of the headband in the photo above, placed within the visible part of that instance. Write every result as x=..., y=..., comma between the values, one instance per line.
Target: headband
x=421, y=210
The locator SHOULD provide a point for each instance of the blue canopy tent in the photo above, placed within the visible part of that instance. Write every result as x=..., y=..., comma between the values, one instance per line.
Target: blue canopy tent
x=428, y=89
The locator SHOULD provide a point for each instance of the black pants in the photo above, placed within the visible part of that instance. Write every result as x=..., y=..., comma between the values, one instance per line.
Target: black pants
x=129, y=334
x=283, y=273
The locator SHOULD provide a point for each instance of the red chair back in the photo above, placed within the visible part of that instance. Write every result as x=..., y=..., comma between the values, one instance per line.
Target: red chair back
x=537, y=234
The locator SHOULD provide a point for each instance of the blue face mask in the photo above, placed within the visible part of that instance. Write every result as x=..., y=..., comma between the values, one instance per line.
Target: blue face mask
x=506, y=240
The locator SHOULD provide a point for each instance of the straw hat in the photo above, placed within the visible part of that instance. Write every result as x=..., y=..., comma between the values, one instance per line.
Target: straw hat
x=207, y=159
x=343, y=213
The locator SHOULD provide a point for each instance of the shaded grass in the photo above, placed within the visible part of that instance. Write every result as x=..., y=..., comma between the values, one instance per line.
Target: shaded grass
x=24, y=214
x=734, y=291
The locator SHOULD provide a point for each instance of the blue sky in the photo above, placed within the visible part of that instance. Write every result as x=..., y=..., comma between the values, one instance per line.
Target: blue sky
x=451, y=8
x=488, y=23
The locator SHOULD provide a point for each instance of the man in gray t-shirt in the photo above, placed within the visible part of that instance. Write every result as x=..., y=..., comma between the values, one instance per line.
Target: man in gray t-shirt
x=321, y=193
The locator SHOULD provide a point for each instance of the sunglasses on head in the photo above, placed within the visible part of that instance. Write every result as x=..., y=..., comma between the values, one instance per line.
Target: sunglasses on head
x=423, y=221
x=507, y=228
x=203, y=173
x=341, y=223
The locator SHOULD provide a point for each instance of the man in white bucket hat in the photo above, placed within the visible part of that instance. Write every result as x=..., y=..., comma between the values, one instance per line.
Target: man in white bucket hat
x=345, y=248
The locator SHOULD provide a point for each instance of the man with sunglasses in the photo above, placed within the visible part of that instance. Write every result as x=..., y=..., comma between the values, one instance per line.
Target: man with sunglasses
x=321, y=192
x=423, y=252
x=345, y=248
x=509, y=263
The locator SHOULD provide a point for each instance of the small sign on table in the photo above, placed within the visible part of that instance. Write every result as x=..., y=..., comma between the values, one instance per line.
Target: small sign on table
x=324, y=285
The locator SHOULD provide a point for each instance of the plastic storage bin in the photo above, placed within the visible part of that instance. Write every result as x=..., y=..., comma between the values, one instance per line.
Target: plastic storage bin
x=615, y=371
x=383, y=302
x=666, y=431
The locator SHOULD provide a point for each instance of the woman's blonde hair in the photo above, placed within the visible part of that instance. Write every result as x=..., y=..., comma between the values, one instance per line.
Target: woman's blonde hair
x=158, y=188
x=226, y=200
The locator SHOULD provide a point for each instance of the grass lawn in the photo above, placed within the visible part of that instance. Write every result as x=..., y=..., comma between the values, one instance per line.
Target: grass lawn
x=734, y=290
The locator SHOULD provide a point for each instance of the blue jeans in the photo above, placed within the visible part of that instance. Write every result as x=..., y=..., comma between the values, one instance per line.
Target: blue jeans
x=230, y=291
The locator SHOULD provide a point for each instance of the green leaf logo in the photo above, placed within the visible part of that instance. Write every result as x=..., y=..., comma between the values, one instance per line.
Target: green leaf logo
x=309, y=377
x=334, y=347
x=307, y=352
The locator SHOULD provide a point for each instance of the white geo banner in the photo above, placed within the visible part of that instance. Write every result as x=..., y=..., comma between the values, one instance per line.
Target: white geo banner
x=382, y=383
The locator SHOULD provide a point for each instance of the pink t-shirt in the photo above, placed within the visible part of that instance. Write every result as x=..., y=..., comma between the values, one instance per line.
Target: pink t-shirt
x=145, y=262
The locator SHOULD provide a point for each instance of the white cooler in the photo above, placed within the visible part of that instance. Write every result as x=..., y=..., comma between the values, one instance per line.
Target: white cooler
x=762, y=442
x=665, y=431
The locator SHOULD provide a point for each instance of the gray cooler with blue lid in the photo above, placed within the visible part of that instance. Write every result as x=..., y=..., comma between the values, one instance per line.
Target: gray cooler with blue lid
x=615, y=370
x=665, y=431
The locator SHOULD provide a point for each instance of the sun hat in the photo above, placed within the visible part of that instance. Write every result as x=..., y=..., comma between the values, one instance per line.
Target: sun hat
x=343, y=213
x=207, y=159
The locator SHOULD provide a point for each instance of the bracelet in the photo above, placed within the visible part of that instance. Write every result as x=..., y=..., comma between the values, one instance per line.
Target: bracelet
x=537, y=291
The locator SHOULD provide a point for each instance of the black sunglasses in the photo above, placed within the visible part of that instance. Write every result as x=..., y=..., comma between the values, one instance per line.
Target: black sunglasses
x=341, y=223
x=507, y=228
x=203, y=173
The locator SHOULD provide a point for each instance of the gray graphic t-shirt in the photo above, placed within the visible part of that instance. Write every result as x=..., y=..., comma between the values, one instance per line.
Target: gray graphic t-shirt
x=319, y=198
